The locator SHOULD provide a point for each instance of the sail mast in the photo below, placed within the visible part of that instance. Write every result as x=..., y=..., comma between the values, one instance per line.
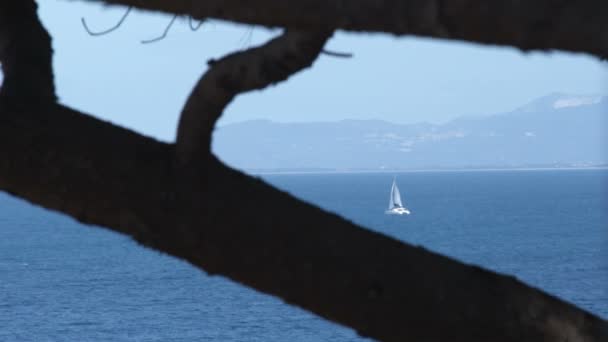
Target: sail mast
x=390, y=198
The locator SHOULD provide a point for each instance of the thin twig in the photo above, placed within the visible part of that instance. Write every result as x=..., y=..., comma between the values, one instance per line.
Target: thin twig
x=164, y=35
x=194, y=26
x=101, y=33
x=246, y=38
x=337, y=54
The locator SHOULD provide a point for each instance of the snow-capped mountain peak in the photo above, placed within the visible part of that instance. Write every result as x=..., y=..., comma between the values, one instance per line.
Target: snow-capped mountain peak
x=575, y=101
x=559, y=101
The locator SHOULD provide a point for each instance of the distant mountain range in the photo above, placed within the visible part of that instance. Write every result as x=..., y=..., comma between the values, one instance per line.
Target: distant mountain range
x=553, y=131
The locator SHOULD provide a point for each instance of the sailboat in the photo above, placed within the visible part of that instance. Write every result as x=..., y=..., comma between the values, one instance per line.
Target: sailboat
x=395, y=206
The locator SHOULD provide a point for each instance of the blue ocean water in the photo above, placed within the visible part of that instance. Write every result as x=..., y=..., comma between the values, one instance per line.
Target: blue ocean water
x=62, y=281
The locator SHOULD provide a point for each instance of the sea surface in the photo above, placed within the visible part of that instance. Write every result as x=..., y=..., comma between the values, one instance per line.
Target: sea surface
x=63, y=281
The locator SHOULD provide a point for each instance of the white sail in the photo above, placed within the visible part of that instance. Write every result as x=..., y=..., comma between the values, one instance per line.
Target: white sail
x=395, y=198
x=395, y=206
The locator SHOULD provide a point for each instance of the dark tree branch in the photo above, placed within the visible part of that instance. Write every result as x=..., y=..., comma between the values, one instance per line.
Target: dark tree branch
x=25, y=54
x=578, y=26
x=105, y=175
x=239, y=72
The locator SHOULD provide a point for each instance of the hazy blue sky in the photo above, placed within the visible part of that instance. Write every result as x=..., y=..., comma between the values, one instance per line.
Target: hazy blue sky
x=396, y=79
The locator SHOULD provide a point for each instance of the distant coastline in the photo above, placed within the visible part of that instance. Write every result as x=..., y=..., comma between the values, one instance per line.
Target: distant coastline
x=553, y=132
x=436, y=169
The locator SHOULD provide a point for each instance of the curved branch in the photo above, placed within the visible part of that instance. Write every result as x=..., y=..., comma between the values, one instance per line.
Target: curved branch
x=193, y=26
x=578, y=26
x=162, y=36
x=255, y=68
x=106, y=31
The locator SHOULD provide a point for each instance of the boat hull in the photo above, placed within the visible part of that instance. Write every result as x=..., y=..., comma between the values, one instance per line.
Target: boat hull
x=398, y=211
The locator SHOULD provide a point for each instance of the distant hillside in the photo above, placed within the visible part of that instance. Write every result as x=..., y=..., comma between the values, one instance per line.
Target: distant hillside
x=555, y=130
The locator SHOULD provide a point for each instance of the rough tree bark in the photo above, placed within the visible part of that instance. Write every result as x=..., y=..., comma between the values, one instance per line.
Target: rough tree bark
x=578, y=26
x=172, y=198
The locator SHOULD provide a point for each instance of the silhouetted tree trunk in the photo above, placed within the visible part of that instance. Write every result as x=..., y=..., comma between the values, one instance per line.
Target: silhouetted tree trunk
x=173, y=197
